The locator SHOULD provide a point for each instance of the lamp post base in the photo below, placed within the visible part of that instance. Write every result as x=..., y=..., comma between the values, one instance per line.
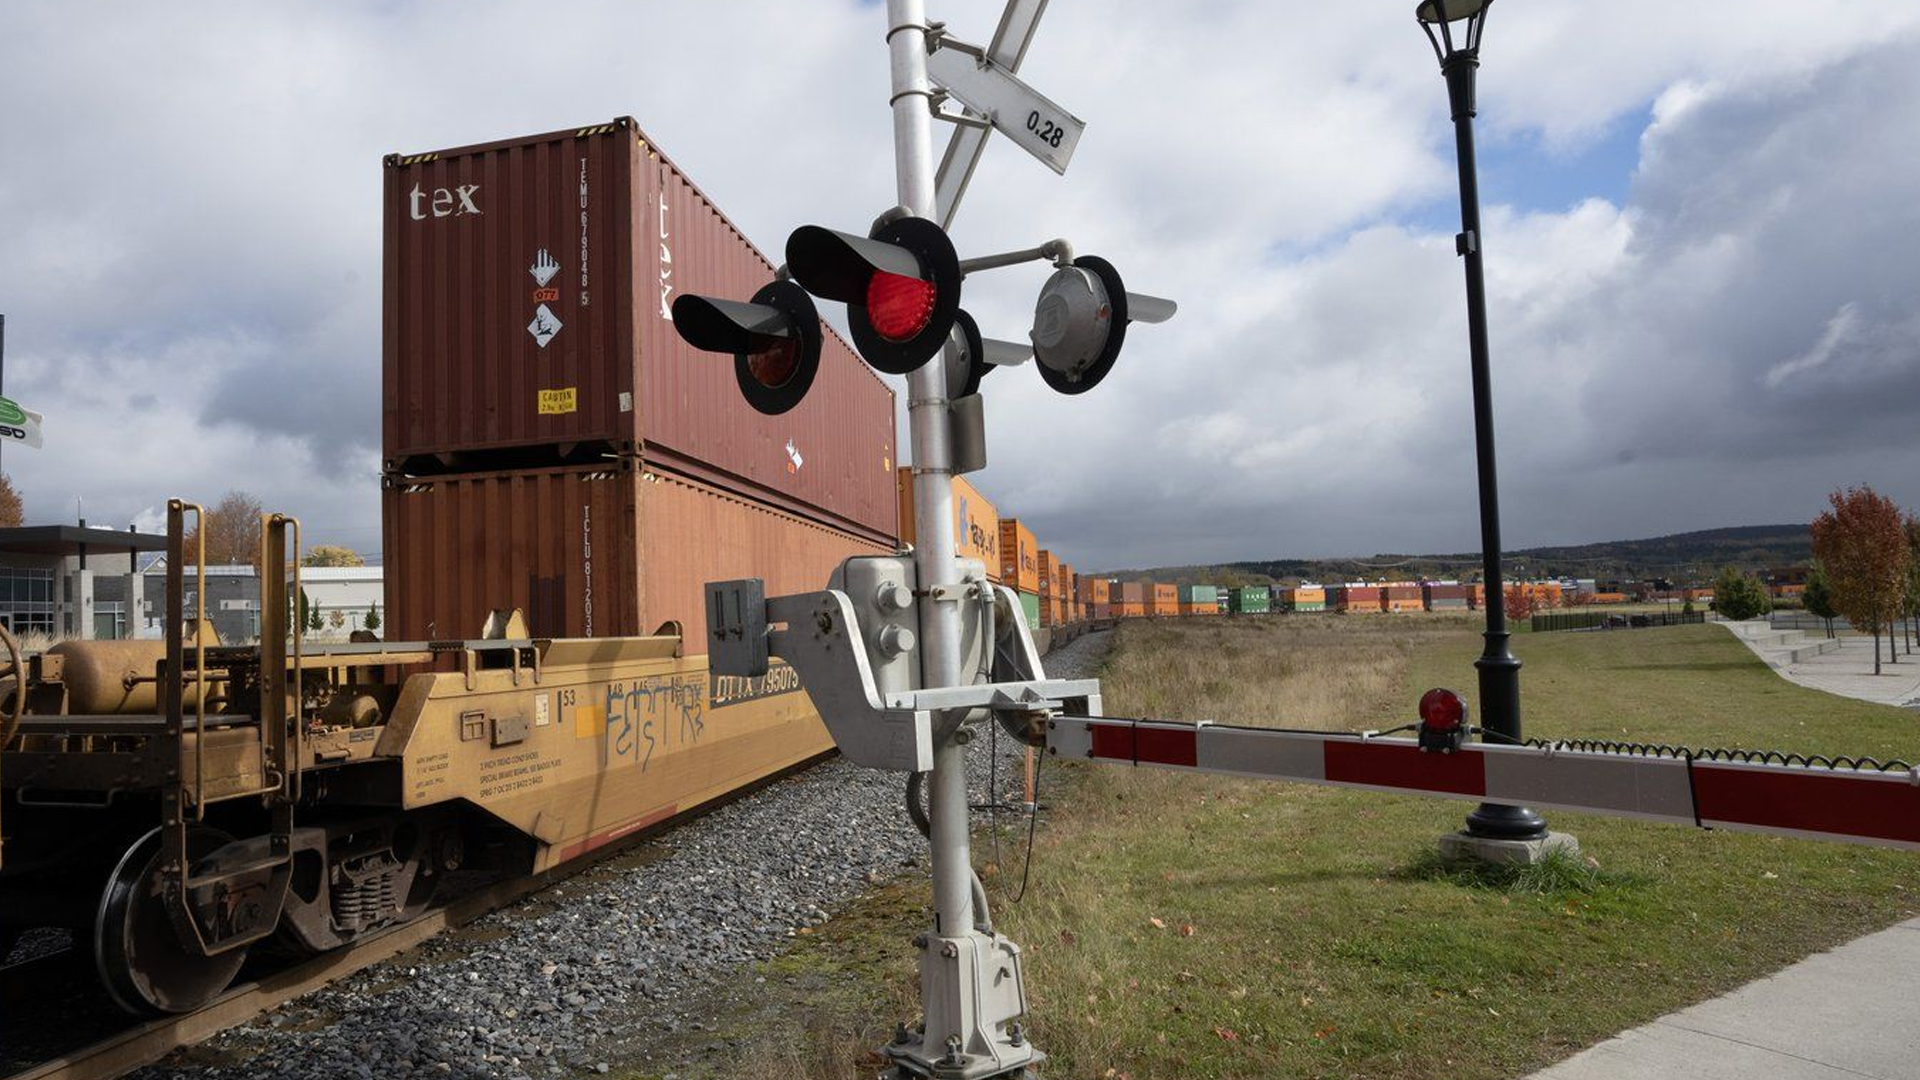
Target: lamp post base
x=1464, y=846
x=1497, y=821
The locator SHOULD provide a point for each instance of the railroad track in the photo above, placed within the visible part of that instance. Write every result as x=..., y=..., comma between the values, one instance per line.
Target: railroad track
x=148, y=1042
x=144, y=1043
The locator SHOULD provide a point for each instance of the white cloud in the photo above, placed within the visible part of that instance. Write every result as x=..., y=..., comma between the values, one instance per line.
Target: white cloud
x=1840, y=330
x=193, y=216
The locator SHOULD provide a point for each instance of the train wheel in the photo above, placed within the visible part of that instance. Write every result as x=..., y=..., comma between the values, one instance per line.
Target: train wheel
x=142, y=962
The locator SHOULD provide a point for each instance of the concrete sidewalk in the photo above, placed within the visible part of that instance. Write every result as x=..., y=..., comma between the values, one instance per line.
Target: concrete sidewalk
x=1840, y=1015
x=1842, y=665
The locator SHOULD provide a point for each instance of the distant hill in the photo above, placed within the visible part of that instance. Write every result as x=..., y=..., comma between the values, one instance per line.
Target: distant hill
x=1683, y=557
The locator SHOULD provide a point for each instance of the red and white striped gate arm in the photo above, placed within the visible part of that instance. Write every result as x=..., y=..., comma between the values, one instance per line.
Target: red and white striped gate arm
x=1862, y=806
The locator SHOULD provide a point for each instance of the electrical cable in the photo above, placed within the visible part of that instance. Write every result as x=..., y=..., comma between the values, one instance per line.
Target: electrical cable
x=1033, y=820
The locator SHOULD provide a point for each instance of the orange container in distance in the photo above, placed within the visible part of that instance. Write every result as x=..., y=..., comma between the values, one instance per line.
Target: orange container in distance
x=1049, y=589
x=976, y=524
x=1019, y=556
x=1166, y=599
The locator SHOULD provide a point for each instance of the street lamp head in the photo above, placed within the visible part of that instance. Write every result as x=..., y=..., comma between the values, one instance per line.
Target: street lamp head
x=1434, y=11
x=1437, y=18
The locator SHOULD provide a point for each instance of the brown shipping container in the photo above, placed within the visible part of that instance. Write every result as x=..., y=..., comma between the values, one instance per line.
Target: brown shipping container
x=1019, y=556
x=586, y=552
x=976, y=524
x=1361, y=598
x=1403, y=596
x=527, y=287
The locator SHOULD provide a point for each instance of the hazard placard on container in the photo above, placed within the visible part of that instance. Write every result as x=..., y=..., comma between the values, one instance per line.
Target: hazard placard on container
x=544, y=326
x=563, y=400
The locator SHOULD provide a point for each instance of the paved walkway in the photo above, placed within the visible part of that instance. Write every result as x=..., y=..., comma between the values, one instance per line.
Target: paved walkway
x=1845, y=1014
x=1842, y=665
x=1840, y=1015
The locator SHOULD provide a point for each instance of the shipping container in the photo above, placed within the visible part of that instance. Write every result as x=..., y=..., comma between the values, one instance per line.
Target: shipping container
x=1402, y=596
x=1198, y=599
x=1357, y=597
x=1250, y=600
x=602, y=552
x=976, y=524
x=1046, y=588
x=1445, y=595
x=1166, y=599
x=1303, y=597
x=1030, y=607
x=527, y=286
x=1019, y=557
x=1094, y=590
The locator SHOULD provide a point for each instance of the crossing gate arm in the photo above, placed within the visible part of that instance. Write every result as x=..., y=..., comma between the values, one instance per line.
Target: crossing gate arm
x=1854, y=805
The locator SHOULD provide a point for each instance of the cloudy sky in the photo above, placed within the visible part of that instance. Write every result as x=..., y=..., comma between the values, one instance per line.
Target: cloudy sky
x=1702, y=239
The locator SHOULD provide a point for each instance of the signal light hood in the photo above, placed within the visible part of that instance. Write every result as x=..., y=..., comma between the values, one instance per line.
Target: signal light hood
x=840, y=266
x=777, y=333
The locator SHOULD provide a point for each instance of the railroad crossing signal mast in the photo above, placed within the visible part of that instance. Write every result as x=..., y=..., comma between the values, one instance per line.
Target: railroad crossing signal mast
x=905, y=655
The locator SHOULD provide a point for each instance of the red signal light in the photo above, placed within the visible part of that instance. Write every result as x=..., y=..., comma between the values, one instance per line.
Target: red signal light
x=774, y=366
x=1442, y=710
x=898, y=306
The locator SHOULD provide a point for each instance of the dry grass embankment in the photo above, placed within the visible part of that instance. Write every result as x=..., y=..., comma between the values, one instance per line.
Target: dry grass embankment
x=1198, y=926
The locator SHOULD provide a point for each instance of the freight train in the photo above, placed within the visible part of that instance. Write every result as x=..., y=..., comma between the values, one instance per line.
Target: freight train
x=562, y=476
x=178, y=803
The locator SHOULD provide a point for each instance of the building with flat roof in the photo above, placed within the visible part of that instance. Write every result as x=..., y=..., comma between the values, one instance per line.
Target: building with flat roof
x=72, y=581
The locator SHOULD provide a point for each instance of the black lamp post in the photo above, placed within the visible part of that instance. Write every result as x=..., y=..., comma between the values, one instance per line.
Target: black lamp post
x=1499, y=668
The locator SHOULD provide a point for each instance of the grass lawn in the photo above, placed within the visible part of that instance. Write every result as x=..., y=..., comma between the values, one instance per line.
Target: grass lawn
x=1198, y=926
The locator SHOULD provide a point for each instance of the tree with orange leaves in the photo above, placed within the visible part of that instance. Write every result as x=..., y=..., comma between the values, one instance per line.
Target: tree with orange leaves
x=1520, y=601
x=1863, y=547
x=233, y=532
x=10, y=507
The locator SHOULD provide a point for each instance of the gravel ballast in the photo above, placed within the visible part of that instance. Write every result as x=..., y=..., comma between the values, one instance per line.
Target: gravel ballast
x=536, y=989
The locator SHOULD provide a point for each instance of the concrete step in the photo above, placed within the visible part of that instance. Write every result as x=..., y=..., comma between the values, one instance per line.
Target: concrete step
x=1804, y=653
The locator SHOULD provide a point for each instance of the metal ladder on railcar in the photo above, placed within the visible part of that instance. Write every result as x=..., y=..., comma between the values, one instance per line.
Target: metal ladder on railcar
x=282, y=727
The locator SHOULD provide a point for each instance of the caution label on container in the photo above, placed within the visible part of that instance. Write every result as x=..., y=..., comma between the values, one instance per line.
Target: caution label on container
x=566, y=399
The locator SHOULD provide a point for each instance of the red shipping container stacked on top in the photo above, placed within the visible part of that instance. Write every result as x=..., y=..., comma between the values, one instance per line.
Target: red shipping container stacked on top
x=551, y=443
